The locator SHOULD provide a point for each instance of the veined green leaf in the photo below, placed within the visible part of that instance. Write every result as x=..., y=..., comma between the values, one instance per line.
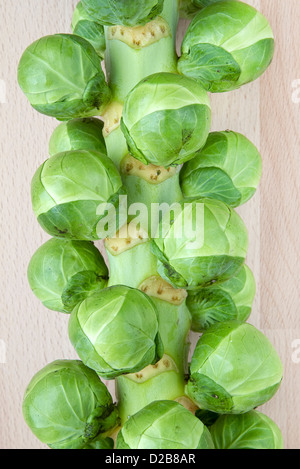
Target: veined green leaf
x=211, y=65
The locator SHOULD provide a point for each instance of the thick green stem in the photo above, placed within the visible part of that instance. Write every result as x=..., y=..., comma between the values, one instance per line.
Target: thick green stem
x=133, y=54
x=131, y=267
x=166, y=379
x=149, y=195
x=147, y=202
x=133, y=393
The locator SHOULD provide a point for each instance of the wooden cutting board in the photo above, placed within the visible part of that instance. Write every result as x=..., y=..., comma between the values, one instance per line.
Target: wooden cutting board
x=266, y=111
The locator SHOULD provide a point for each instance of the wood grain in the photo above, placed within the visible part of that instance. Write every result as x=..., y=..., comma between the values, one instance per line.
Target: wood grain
x=266, y=111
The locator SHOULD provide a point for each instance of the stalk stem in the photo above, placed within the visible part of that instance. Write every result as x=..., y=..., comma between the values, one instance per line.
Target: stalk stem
x=133, y=54
x=127, y=63
x=166, y=379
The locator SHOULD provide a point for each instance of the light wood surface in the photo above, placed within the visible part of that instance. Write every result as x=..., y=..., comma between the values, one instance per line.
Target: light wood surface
x=266, y=111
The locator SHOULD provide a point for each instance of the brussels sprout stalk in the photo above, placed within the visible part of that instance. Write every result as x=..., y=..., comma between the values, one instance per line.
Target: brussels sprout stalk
x=175, y=245
x=130, y=258
x=135, y=265
x=133, y=53
x=143, y=50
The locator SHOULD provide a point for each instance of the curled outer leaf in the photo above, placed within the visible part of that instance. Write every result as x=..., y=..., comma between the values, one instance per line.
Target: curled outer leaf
x=228, y=168
x=85, y=26
x=226, y=301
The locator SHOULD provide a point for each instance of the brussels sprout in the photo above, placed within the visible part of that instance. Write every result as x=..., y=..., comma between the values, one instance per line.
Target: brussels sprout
x=67, y=191
x=252, y=430
x=200, y=243
x=166, y=119
x=228, y=168
x=223, y=302
x=227, y=45
x=78, y=134
x=66, y=405
x=123, y=12
x=115, y=331
x=234, y=369
x=61, y=273
x=164, y=425
x=85, y=26
x=61, y=76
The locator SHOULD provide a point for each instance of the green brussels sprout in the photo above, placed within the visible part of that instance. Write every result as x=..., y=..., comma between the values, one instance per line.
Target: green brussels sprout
x=115, y=331
x=61, y=76
x=78, y=134
x=164, y=425
x=61, y=273
x=227, y=301
x=200, y=243
x=228, y=168
x=68, y=191
x=67, y=406
x=227, y=45
x=234, y=369
x=123, y=12
x=85, y=26
x=166, y=119
x=252, y=430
